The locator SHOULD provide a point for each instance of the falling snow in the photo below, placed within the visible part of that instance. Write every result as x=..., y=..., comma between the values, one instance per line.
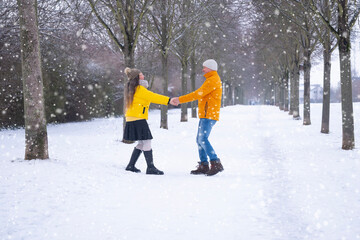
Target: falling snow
x=282, y=180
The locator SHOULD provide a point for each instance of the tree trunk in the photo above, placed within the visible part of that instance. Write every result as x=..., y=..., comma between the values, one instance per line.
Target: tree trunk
x=34, y=107
x=227, y=96
x=286, y=92
x=165, y=75
x=292, y=95
x=129, y=62
x=184, y=66
x=164, y=63
x=239, y=98
x=348, y=139
x=296, y=113
x=346, y=101
x=307, y=69
x=128, y=52
x=223, y=94
x=233, y=95
x=193, y=80
x=237, y=95
x=277, y=95
x=230, y=97
x=325, y=122
x=281, y=96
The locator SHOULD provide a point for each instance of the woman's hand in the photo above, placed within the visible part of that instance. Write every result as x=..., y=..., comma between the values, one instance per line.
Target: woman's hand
x=175, y=101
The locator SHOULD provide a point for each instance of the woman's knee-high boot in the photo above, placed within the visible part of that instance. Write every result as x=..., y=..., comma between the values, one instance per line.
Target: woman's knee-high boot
x=151, y=169
x=134, y=157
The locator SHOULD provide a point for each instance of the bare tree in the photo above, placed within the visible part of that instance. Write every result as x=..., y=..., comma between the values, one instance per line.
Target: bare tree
x=183, y=53
x=35, y=122
x=306, y=27
x=324, y=35
x=228, y=34
x=309, y=41
x=160, y=28
x=124, y=17
x=193, y=64
x=326, y=7
x=279, y=41
x=182, y=47
x=347, y=12
x=295, y=79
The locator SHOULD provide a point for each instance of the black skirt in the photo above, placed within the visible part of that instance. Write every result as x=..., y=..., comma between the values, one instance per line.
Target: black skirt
x=137, y=130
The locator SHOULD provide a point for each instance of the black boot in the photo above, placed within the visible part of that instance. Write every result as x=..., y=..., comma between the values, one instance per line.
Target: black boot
x=134, y=157
x=216, y=167
x=151, y=169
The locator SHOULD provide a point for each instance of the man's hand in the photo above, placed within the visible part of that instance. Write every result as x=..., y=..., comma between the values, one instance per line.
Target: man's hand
x=175, y=101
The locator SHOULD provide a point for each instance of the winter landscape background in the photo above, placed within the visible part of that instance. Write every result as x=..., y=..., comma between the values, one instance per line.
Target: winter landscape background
x=282, y=180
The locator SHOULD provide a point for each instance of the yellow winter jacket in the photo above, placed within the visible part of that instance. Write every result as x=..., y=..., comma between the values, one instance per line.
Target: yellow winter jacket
x=142, y=99
x=208, y=96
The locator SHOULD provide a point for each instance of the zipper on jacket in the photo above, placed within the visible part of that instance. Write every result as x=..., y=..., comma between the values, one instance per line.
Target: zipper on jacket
x=206, y=107
x=144, y=110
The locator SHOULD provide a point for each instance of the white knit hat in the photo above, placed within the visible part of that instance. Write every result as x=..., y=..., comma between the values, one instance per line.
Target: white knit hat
x=211, y=64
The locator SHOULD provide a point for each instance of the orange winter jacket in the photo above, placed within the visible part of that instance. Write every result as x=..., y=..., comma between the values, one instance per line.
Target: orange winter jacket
x=208, y=96
x=142, y=99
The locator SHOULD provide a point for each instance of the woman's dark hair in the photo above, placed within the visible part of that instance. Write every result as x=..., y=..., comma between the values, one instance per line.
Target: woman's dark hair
x=130, y=90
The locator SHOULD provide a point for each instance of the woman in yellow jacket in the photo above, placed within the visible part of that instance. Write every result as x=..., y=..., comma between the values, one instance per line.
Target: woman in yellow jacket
x=138, y=100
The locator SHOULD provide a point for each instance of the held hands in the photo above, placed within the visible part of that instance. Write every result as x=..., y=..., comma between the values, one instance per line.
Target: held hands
x=175, y=101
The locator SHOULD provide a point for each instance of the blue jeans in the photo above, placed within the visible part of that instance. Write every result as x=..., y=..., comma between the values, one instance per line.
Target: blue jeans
x=205, y=148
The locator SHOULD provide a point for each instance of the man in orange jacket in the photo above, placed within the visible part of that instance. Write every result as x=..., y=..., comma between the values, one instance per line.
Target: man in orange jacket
x=209, y=102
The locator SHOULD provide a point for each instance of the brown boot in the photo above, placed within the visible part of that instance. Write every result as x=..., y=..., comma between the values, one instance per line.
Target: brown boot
x=216, y=167
x=202, y=168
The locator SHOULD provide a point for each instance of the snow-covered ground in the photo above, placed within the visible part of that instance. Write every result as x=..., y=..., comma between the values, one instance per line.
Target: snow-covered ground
x=282, y=180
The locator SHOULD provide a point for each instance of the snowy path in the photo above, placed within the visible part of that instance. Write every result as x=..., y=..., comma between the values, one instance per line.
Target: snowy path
x=287, y=218
x=282, y=216
x=282, y=181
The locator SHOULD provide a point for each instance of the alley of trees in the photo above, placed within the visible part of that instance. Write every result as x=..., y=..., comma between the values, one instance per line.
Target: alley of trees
x=63, y=61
